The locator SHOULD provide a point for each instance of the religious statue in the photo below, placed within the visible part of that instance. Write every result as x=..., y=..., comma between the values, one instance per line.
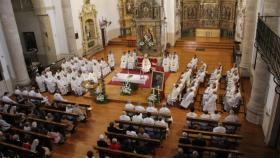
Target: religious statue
x=129, y=6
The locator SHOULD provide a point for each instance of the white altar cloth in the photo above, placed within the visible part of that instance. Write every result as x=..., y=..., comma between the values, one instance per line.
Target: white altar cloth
x=133, y=78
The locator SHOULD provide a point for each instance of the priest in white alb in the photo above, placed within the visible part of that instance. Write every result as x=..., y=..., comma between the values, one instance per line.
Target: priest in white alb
x=186, y=102
x=50, y=82
x=166, y=64
x=111, y=60
x=174, y=63
x=62, y=86
x=123, y=64
x=210, y=103
x=130, y=61
x=146, y=64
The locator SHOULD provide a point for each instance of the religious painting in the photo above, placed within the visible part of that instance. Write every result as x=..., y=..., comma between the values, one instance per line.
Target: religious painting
x=147, y=36
x=157, y=80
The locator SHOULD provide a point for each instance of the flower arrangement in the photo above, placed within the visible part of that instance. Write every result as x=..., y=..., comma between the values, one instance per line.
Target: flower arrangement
x=101, y=98
x=154, y=97
x=126, y=88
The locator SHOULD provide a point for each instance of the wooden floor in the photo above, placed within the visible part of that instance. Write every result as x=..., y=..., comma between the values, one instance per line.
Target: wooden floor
x=86, y=136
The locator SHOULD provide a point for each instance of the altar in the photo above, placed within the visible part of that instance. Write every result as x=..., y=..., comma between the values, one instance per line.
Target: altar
x=132, y=78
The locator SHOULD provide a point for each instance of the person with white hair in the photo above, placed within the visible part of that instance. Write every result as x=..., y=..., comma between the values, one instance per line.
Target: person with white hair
x=101, y=141
x=114, y=145
x=164, y=110
x=146, y=64
x=34, y=145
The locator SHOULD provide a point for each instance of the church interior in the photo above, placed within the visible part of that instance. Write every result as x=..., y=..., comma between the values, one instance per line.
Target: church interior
x=139, y=78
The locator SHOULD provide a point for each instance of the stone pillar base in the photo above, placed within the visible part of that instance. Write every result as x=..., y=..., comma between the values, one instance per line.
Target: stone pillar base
x=253, y=117
x=244, y=72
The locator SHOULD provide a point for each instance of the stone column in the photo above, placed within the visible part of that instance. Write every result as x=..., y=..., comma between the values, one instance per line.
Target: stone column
x=69, y=26
x=249, y=36
x=13, y=42
x=255, y=107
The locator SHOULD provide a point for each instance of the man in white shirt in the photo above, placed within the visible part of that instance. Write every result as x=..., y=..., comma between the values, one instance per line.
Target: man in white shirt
x=7, y=99
x=138, y=118
x=129, y=106
x=164, y=109
x=151, y=109
x=191, y=114
x=139, y=108
x=124, y=117
x=219, y=129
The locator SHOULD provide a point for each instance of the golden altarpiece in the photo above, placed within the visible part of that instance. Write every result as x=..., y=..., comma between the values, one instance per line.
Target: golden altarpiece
x=209, y=18
x=150, y=30
x=90, y=28
x=126, y=11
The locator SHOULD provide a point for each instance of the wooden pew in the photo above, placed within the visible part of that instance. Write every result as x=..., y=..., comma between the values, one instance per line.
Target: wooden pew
x=119, y=153
x=212, y=123
x=18, y=149
x=231, y=136
x=211, y=149
x=124, y=136
x=162, y=130
x=10, y=118
x=47, y=122
x=72, y=103
x=16, y=104
x=153, y=114
x=42, y=137
x=39, y=135
x=141, y=125
x=29, y=97
x=59, y=112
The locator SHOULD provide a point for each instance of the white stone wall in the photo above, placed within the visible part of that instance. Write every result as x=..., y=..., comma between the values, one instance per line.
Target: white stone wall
x=6, y=64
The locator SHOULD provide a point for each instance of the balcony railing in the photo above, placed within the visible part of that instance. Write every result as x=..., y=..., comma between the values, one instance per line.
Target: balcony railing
x=268, y=45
